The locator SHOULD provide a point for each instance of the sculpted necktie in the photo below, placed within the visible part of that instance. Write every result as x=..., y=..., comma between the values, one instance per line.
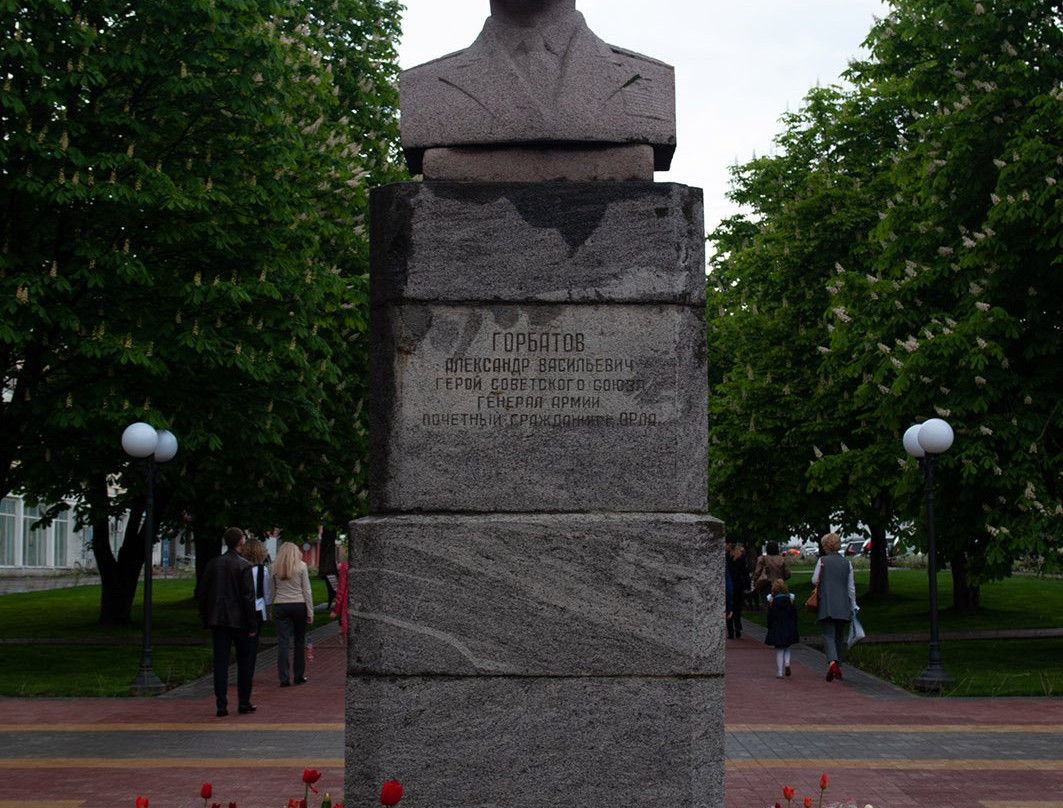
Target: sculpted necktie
x=540, y=67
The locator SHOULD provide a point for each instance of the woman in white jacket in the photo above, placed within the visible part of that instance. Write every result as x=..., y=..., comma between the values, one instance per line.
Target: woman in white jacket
x=255, y=552
x=293, y=610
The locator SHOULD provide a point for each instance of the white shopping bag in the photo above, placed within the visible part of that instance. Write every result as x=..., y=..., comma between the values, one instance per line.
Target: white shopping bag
x=856, y=631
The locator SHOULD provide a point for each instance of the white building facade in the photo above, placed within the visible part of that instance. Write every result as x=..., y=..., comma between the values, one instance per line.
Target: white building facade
x=26, y=546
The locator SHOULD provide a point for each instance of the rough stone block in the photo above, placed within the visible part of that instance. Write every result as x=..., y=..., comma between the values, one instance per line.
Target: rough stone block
x=567, y=595
x=623, y=242
x=534, y=742
x=538, y=408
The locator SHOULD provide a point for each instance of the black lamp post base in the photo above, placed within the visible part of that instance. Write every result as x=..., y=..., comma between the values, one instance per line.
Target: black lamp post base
x=933, y=679
x=147, y=683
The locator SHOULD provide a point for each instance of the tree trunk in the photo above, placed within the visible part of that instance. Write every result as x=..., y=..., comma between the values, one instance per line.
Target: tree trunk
x=880, y=573
x=118, y=576
x=327, y=564
x=327, y=553
x=965, y=597
x=207, y=539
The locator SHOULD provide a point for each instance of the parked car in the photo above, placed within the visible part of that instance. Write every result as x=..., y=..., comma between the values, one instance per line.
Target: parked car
x=810, y=550
x=858, y=547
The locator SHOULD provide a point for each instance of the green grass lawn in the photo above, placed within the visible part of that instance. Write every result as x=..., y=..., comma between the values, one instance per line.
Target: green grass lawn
x=979, y=667
x=89, y=659
x=86, y=658
x=1001, y=667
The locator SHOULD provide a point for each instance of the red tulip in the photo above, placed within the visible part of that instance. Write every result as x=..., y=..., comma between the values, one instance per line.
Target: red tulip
x=142, y=802
x=232, y=805
x=310, y=776
x=391, y=793
x=808, y=802
x=205, y=791
x=823, y=782
x=788, y=793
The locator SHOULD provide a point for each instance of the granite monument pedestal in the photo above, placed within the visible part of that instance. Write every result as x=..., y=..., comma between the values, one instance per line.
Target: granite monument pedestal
x=536, y=613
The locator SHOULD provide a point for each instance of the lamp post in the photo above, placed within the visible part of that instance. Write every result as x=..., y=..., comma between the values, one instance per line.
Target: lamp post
x=926, y=441
x=150, y=446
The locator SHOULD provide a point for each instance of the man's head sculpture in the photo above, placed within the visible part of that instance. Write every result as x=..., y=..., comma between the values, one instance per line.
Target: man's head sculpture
x=537, y=78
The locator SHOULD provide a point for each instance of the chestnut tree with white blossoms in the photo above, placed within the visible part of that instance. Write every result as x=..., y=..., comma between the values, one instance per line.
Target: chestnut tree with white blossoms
x=961, y=313
x=184, y=196
x=955, y=307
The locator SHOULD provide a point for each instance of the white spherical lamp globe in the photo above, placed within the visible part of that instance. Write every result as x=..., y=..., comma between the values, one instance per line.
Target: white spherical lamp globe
x=140, y=440
x=167, y=447
x=911, y=442
x=935, y=436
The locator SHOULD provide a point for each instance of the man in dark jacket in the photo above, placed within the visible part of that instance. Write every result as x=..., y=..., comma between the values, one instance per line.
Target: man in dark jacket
x=227, y=606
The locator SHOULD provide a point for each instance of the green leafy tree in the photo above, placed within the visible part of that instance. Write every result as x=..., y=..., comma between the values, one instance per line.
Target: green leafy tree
x=961, y=314
x=775, y=402
x=183, y=190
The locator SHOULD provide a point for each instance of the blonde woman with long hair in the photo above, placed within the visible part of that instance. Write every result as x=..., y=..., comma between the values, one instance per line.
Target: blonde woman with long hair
x=293, y=610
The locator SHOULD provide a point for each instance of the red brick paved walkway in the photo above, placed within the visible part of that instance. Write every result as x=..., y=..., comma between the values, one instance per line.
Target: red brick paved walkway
x=103, y=753
x=878, y=745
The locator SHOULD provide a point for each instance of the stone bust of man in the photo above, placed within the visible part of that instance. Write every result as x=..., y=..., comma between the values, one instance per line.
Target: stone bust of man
x=538, y=77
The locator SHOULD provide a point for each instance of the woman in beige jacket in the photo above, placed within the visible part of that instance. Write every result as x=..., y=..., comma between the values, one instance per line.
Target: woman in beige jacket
x=770, y=568
x=293, y=610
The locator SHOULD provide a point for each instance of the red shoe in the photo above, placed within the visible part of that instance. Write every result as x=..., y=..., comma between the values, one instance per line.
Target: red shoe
x=834, y=672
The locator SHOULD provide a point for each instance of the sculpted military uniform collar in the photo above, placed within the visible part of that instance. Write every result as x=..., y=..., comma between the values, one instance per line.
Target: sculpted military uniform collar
x=556, y=37
x=568, y=39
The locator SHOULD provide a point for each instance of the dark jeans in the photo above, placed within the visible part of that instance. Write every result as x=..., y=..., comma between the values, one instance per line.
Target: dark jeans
x=734, y=625
x=224, y=639
x=290, y=618
x=255, y=639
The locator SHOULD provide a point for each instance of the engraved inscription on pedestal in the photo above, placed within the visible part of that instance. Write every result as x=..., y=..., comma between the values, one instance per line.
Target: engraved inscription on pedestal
x=560, y=375
x=545, y=393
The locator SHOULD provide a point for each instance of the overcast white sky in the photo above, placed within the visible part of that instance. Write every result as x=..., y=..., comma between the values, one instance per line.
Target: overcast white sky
x=738, y=65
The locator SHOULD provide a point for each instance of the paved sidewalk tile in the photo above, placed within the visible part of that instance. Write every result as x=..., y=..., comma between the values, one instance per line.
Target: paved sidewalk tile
x=879, y=745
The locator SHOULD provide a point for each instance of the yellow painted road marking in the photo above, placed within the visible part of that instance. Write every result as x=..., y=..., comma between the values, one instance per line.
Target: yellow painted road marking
x=908, y=764
x=161, y=727
x=164, y=763
x=904, y=728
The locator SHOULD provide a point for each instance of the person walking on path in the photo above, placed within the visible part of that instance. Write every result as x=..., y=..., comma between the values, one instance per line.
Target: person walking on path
x=293, y=611
x=740, y=581
x=339, y=609
x=782, y=626
x=728, y=586
x=226, y=600
x=837, y=601
x=255, y=552
x=770, y=567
